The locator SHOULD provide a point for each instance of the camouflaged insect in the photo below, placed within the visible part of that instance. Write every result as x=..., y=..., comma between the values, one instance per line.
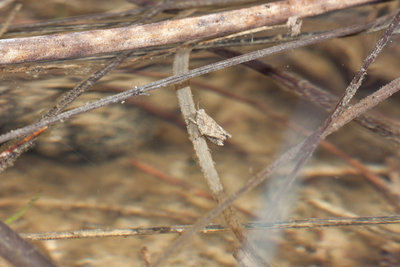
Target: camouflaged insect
x=210, y=128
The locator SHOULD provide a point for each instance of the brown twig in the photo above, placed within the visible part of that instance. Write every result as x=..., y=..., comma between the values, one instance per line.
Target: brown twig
x=341, y=212
x=203, y=154
x=213, y=228
x=88, y=43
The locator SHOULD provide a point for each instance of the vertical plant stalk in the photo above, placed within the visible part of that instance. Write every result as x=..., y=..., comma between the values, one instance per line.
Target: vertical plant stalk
x=203, y=154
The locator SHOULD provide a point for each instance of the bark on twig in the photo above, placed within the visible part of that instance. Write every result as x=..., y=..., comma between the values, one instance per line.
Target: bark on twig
x=203, y=154
x=88, y=43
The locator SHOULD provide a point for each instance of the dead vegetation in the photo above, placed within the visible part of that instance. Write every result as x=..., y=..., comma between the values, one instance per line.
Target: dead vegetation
x=92, y=100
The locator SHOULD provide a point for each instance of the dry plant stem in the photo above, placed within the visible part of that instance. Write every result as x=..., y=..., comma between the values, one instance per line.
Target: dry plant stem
x=188, y=110
x=203, y=154
x=357, y=80
x=117, y=98
x=212, y=228
x=10, y=17
x=306, y=147
x=341, y=212
x=366, y=104
x=88, y=43
x=83, y=86
x=18, y=251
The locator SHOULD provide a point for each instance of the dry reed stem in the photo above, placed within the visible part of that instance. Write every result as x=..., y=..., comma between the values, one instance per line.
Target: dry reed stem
x=203, y=154
x=341, y=212
x=213, y=228
x=188, y=109
x=88, y=43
